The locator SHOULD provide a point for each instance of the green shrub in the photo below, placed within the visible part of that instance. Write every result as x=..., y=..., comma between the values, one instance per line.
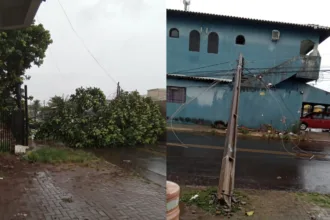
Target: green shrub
x=87, y=120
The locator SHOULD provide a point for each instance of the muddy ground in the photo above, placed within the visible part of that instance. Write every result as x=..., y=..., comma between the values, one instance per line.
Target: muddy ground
x=266, y=204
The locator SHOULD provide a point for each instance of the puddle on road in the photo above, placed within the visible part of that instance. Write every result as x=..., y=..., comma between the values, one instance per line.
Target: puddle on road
x=151, y=166
x=266, y=166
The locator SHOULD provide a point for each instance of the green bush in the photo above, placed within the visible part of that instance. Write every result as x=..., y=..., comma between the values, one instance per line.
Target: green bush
x=87, y=120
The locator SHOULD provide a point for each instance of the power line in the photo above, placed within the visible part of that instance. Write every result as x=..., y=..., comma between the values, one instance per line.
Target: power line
x=83, y=43
x=202, y=67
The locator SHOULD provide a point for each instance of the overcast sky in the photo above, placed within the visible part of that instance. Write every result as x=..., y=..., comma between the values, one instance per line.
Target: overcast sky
x=127, y=37
x=296, y=11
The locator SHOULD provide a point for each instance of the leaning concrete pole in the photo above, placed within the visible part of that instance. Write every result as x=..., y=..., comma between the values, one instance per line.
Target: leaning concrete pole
x=227, y=173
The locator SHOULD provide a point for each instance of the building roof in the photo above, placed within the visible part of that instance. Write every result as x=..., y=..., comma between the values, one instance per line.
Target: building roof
x=17, y=14
x=322, y=30
x=159, y=89
x=198, y=78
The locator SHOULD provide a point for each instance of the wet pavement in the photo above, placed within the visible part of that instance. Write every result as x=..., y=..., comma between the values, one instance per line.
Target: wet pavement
x=149, y=163
x=261, y=164
x=70, y=192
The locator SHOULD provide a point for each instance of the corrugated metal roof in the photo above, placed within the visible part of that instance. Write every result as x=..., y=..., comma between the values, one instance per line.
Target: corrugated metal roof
x=198, y=78
x=313, y=26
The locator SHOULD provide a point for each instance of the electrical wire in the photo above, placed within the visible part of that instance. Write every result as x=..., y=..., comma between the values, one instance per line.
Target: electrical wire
x=219, y=73
x=83, y=43
x=228, y=62
x=295, y=145
x=283, y=116
x=202, y=67
x=213, y=84
x=273, y=96
x=271, y=92
x=185, y=104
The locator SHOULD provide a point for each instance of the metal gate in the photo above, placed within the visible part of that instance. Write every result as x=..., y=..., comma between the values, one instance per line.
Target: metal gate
x=12, y=130
x=14, y=127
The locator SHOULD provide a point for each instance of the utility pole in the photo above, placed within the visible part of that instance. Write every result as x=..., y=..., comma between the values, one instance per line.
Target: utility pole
x=227, y=173
x=118, y=90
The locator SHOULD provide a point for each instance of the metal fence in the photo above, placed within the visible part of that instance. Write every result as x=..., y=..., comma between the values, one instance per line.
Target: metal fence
x=11, y=129
x=14, y=127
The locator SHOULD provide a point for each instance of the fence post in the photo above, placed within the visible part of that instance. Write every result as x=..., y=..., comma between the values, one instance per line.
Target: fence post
x=26, y=111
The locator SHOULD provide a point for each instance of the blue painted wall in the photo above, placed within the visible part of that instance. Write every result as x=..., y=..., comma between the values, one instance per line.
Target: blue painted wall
x=258, y=47
x=257, y=107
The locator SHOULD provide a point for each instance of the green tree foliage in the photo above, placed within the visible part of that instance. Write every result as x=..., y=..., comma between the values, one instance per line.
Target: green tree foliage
x=19, y=50
x=86, y=119
x=34, y=109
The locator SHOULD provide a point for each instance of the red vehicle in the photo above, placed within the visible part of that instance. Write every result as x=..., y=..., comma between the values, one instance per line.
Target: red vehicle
x=315, y=120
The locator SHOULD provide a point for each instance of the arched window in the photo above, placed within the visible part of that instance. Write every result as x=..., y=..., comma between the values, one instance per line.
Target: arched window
x=174, y=33
x=194, y=41
x=240, y=39
x=213, y=43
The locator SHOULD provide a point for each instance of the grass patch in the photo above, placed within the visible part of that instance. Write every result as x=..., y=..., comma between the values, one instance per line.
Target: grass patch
x=322, y=200
x=203, y=199
x=60, y=155
x=206, y=199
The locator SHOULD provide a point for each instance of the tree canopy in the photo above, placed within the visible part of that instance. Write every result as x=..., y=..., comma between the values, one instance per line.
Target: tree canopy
x=87, y=119
x=19, y=50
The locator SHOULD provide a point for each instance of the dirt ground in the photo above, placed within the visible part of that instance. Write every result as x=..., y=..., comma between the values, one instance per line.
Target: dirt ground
x=99, y=192
x=266, y=205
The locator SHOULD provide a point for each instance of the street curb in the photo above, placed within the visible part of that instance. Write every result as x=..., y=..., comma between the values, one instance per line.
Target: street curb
x=223, y=133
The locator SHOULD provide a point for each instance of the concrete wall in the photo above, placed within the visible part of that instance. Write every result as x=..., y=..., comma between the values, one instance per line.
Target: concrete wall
x=259, y=50
x=157, y=94
x=256, y=107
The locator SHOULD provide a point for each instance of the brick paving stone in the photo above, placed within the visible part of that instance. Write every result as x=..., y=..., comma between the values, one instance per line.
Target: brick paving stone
x=83, y=193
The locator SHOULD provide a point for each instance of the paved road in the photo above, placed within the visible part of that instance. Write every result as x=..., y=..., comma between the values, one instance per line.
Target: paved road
x=260, y=164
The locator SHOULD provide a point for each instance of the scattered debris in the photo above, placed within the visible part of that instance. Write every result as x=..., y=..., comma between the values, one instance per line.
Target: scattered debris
x=20, y=149
x=68, y=200
x=234, y=200
x=249, y=213
x=226, y=210
x=194, y=197
x=20, y=214
x=243, y=203
x=313, y=218
x=126, y=161
x=279, y=177
x=193, y=212
x=1, y=178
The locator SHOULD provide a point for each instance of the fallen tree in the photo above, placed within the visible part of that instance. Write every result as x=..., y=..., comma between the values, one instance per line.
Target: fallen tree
x=87, y=119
